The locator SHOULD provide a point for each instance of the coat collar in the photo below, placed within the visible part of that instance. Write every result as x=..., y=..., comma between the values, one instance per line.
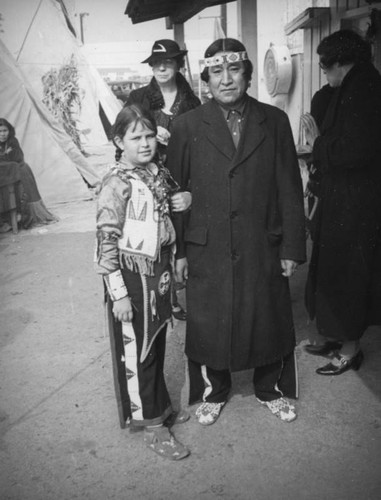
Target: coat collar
x=361, y=70
x=218, y=133
x=217, y=130
x=253, y=132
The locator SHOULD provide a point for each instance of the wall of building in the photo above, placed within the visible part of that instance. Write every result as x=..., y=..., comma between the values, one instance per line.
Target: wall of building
x=273, y=15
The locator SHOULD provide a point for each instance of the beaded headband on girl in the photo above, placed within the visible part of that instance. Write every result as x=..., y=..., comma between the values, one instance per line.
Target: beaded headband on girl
x=230, y=57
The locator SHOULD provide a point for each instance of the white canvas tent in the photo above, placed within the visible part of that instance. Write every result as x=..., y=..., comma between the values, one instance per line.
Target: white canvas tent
x=48, y=149
x=47, y=43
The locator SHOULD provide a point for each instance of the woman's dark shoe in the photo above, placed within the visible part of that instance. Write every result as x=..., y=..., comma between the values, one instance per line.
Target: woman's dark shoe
x=325, y=349
x=345, y=364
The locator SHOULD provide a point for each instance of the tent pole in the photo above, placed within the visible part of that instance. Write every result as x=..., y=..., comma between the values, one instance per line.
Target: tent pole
x=29, y=28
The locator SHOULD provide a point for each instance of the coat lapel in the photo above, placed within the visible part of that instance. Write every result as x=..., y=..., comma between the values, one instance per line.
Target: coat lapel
x=217, y=131
x=252, y=133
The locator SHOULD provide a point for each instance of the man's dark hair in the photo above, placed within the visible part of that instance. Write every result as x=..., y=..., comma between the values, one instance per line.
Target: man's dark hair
x=226, y=45
x=344, y=47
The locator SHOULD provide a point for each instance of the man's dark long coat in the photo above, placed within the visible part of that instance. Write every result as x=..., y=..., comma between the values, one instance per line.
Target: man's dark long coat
x=246, y=215
x=344, y=284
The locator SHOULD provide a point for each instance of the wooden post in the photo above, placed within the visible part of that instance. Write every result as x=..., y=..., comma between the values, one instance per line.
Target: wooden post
x=178, y=34
x=224, y=21
x=248, y=35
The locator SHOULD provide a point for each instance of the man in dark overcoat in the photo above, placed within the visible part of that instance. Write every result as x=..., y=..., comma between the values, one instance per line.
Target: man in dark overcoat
x=241, y=240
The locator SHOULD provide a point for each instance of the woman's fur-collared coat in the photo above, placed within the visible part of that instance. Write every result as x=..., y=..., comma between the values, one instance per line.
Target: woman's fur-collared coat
x=246, y=215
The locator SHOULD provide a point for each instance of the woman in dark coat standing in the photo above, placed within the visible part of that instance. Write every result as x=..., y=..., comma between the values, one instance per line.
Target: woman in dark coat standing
x=344, y=282
x=167, y=96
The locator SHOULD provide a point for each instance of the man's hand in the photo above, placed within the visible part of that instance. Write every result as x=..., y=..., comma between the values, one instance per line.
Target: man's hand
x=122, y=309
x=181, y=201
x=181, y=270
x=289, y=267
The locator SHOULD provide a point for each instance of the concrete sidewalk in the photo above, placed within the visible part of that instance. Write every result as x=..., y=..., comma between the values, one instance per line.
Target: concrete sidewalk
x=60, y=435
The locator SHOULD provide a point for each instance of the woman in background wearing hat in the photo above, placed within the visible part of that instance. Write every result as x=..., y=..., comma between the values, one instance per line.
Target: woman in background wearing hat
x=167, y=96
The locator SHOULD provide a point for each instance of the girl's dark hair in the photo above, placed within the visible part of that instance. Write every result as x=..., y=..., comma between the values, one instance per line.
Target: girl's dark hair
x=229, y=45
x=344, y=47
x=5, y=123
x=131, y=115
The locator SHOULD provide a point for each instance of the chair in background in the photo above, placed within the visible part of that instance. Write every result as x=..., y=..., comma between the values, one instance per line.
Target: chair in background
x=9, y=184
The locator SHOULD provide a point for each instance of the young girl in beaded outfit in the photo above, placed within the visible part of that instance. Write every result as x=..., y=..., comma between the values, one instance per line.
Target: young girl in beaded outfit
x=135, y=244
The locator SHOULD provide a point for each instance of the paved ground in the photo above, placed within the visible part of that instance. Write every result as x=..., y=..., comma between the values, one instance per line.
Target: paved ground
x=59, y=432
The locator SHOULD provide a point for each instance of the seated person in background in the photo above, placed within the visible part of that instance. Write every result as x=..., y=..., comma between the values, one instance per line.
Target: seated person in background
x=30, y=205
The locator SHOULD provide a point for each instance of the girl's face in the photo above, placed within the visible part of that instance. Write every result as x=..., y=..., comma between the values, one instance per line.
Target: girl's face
x=139, y=144
x=4, y=133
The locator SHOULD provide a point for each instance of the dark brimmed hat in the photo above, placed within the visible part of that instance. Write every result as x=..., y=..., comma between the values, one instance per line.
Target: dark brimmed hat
x=164, y=49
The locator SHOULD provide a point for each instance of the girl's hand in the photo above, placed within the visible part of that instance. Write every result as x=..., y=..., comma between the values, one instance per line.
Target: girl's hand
x=122, y=309
x=181, y=201
x=163, y=135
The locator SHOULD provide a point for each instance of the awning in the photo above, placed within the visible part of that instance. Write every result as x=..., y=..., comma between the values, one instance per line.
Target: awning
x=178, y=11
x=307, y=19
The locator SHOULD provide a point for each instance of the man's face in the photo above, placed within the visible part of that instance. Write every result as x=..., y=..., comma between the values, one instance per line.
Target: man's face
x=227, y=82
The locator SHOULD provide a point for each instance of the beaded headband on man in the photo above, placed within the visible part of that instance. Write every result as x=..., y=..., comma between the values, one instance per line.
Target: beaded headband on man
x=229, y=57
